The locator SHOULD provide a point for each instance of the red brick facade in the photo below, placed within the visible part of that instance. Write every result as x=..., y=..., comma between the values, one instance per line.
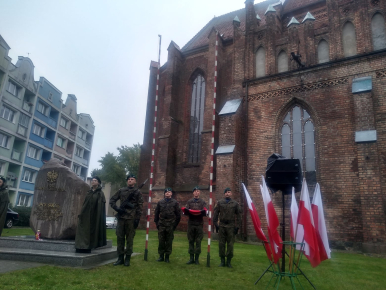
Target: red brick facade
x=352, y=175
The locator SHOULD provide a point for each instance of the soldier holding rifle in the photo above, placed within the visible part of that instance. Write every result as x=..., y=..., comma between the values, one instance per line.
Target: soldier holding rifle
x=128, y=216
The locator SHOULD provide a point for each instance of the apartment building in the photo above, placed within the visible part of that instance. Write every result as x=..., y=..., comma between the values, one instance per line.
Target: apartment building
x=35, y=126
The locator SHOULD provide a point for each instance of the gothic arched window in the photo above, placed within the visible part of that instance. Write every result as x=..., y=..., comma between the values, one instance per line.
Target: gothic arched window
x=349, y=40
x=282, y=62
x=196, y=118
x=323, y=52
x=378, y=31
x=260, y=62
x=298, y=141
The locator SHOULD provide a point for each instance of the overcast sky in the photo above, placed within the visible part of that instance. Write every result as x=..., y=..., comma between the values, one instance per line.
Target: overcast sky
x=101, y=50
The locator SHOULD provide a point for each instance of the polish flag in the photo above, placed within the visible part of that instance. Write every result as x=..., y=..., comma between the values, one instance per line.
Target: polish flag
x=305, y=218
x=295, y=227
x=320, y=225
x=256, y=223
x=272, y=222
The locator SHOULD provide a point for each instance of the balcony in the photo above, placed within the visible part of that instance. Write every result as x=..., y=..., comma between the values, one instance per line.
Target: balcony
x=16, y=155
x=48, y=143
x=46, y=119
x=33, y=162
x=72, y=135
x=88, y=145
x=27, y=106
x=80, y=160
x=69, y=153
x=43, y=141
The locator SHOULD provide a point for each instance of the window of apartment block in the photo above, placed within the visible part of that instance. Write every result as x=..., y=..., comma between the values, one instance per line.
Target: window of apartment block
x=60, y=142
x=12, y=88
x=29, y=175
x=23, y=124
x=24, y=200
x=298, y=140
x=260, y=62
x=4, y=140
x=82, y=134
x=7, y=114
x=79, y=151
x=33, y=152
x=196, y=118
x=349, y=40
x=38, y=130
x=2, y=167
x=378, y=31
x=323, y=51
x=42, y=109
x=64, y=123
x=76, y=168
x=282, y=62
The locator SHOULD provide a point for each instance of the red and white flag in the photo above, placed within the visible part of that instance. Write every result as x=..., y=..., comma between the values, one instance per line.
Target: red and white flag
x=305, y=218
x=295, y=227
x=257, y=223
x=272, y=222
x=320, y=225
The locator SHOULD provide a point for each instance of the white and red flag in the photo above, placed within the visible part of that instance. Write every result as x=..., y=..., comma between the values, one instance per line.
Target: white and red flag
x=256, y=222
x=305, y=218
x=320, y=224
x=272, y=222
x=295, y=227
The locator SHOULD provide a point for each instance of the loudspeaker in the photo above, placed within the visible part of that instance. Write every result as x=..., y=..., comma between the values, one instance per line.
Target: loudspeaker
x=284, y=174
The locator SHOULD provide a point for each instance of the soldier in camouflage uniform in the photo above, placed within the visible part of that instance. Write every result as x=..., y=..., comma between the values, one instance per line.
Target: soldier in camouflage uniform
x=195, y=225
x=228, y=211
x=167, y=216
x=128, y=218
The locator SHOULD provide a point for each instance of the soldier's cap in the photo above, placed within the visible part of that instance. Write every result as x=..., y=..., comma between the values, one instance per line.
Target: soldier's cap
x=196, y=188
x=3, y=179
x=131, y=176
x=97, y=178
x=227, y=189
x=168, y=189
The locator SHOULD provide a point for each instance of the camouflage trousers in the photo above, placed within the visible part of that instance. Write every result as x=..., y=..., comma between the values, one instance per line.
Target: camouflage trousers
x=195, y=235
x=165, y=240
x=125, y=229
x=226, y=235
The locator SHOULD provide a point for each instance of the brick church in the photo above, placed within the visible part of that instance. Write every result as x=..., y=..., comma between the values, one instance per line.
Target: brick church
x=305, y=79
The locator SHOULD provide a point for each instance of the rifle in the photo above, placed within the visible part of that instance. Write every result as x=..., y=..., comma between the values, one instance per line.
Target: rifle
x=127, y=203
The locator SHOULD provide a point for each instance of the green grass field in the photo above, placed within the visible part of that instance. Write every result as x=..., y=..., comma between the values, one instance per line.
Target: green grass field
x=344, y=270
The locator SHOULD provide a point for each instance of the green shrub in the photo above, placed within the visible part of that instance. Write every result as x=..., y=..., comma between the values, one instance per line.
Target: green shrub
x=24, y=215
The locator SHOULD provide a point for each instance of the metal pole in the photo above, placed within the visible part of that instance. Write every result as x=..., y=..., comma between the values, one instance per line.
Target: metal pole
x=152, y=152
x=212, y=152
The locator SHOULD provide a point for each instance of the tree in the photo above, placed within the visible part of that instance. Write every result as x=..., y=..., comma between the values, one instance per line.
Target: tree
x=129, y=158
x=116, y=168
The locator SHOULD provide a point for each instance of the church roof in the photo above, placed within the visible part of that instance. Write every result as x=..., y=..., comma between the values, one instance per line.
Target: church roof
x=224, y=25
x=292, y=5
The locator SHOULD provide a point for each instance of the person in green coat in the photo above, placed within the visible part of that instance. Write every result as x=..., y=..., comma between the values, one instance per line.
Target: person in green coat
x=4, y=201
x=91, y=230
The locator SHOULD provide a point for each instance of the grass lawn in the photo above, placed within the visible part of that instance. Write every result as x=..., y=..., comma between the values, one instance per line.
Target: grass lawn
x=343, y=271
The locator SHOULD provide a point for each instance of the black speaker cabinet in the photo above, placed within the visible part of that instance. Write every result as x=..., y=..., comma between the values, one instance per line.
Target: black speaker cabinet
x=283, y=175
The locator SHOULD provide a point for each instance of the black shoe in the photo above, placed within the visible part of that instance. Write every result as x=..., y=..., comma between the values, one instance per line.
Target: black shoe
x=191, y=261
x=120, y=261
x=167, y=259
x=229, y=263
x=196, y=259
x=222, y=264
x=161, y=258
x=127, y=260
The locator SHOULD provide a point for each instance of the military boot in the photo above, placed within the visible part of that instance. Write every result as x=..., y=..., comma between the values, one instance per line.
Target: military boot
x=167, y=258
x=161, y=258
x=222, y=264
x=120, y=260
x=127, y=260
x=191, y=261
x=229, y=262
x=196, y=259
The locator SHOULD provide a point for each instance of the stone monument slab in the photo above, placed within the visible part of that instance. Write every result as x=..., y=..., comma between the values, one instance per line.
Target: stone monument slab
x=58, y=198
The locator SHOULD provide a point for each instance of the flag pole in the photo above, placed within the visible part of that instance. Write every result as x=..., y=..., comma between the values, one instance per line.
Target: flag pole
x=152, y=152
x=212, y=153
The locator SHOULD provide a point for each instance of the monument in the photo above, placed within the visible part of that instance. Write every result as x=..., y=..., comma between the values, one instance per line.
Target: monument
x=58, y=198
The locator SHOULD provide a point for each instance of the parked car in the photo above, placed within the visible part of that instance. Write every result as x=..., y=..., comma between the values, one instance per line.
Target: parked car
x=111, y=222
x=11, y=219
